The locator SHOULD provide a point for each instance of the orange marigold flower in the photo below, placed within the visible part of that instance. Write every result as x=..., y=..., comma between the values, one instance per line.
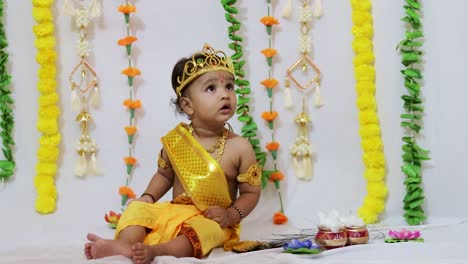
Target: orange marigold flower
x=132, y=104
x=276, y=176
x=270, y=83
x=272, y=146
x=131, y=130
x=269, y=21
x=127, y=40
x=130, y=160
x=269, y=116
x=127, y=9
x=124, y=190
x=131, y=71
x=269, y=52
x=279, y=218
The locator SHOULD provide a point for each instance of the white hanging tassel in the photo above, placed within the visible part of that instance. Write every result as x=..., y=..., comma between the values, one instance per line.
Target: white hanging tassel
x=95, y=9
x=308, y=168
x=81, y=165
x=75, y=101
x=288, y=98
x=318, y=9
x=69, y=8
x=94, y=168
x=95, y=98
x=287, y=9
x=318, y=96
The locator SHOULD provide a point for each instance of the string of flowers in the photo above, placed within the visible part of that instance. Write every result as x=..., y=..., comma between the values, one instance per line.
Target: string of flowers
x=249, y=129
x=371, y=141
x=274, y=175
x=47, y=123
x=132, y=105
x=413, y=155
x=7, y=122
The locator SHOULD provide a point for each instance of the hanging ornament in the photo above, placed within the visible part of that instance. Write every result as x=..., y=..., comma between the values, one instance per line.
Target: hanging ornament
x=301, y=150
x=84, y=87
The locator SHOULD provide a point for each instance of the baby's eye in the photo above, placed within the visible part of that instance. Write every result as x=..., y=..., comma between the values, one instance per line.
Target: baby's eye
x=211, y=88
x=230, y=86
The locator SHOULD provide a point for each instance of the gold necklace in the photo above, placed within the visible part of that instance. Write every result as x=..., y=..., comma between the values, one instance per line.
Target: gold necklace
x=219, y=145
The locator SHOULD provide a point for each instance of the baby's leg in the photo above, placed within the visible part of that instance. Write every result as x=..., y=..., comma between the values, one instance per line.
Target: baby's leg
x=178, y=247
x=100, y=248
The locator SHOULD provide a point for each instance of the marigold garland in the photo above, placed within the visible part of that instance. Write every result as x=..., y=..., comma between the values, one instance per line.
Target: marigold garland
x=7, y=166
x=413, y=154
x=48, y=113
x=131, y=103
x=371, y=142
x=249, y=129
x=274, y=175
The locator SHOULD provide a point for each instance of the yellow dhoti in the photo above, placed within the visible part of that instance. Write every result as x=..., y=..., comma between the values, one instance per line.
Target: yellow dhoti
x=204, y=184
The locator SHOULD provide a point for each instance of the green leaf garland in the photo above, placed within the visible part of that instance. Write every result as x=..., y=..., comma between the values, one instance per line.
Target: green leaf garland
x=249, y=129
x=413, y=155
x=7, y=166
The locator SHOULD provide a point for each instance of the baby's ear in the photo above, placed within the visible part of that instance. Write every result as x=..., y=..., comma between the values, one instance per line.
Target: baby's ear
x=186, y=105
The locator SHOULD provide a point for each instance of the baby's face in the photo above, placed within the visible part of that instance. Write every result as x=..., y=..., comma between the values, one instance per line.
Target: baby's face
x=213, y=97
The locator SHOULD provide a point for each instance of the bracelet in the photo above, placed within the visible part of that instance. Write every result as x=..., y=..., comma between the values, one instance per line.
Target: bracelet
x=150, y=195
x=241, y=215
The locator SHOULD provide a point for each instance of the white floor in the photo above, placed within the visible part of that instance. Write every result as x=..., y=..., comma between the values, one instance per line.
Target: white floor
x=446, y=241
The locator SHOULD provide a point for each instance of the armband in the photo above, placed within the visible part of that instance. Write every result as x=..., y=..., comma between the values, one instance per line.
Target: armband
x=162, y=164
x=252, y=176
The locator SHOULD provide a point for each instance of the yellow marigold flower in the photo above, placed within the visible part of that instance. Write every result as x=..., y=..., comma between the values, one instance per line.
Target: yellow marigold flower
x=46, y=56
x=45, y=204
x=276, y=176
x=269, y=116
x=271, y=146
x=360, y=18
x=48, y=169
x=364, y=73
x=47, y=154
x=50, y=141
x=270, y=83
x=45, y=42
x=132, y=104
x=269, y=21
x=364, y=31
x=127, y=9
x=374, y=174
x=43, y=29
x=42, y=14
x=368, y=117
x=47, y=71
x=130, y=160
x=364, y=58
x=47, y=125
x=46, y=85
x=48, y=99
x=131, y=71
x=127, y=40
x=279, y=218
x=269, y=52
x=42, y=3
x=124, y=190
x=49, y=111
x=367, y=87
x=40, y=179
x=361, y=45
x=365, y=102
x=130, y=130
x=377, y=189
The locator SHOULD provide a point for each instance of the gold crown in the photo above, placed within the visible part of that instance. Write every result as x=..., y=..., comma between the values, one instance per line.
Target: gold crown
x=208, y=60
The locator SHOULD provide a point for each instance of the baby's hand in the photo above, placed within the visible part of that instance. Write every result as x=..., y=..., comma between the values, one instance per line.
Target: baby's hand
x=219, y=215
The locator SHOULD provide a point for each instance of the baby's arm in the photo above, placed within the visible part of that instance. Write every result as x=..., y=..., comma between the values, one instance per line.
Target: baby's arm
x=249, y=193
x=161, y=182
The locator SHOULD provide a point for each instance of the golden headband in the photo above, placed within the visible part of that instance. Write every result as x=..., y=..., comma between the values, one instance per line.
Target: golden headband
x=207, y=60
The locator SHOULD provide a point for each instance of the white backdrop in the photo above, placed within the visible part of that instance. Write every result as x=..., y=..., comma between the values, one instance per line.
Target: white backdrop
x=168, y=30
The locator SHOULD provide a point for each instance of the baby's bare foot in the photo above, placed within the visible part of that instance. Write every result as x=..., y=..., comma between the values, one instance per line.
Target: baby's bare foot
x=100, y=248
x=142, y=254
